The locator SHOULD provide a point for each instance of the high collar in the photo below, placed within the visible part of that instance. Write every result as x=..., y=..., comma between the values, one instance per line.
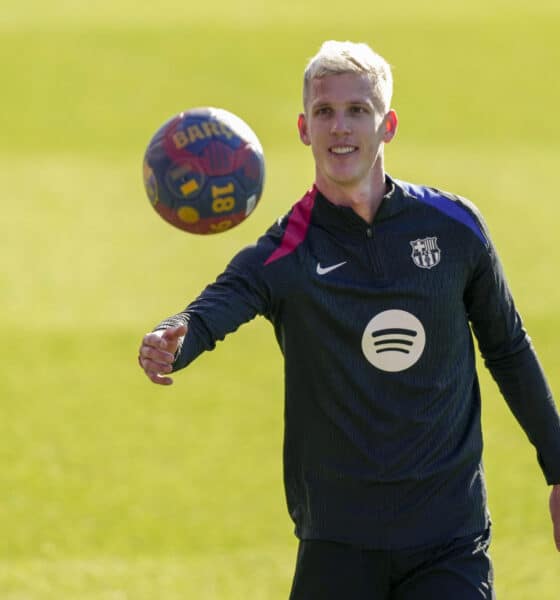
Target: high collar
x=343, y=218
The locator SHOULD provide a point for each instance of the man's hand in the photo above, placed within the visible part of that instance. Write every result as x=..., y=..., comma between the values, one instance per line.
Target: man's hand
x=157, y=353
x=554, y=504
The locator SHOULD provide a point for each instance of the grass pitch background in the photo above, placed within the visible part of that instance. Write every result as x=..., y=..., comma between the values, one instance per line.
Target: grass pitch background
x=112, y=488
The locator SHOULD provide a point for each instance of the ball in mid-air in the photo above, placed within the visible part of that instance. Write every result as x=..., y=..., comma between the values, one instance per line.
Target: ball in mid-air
x=204, y=170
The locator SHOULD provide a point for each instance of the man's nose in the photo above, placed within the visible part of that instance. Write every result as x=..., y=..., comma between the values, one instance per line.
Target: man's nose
x=340, y=124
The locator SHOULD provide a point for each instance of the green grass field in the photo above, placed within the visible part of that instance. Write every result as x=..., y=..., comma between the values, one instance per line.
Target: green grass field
x=115, y=489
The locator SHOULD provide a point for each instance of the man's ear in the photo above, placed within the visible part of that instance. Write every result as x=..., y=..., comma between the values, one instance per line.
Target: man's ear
x=391, y=124
x=302, y=128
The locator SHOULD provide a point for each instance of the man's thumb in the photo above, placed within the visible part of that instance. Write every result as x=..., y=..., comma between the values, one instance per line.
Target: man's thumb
x=174, y=333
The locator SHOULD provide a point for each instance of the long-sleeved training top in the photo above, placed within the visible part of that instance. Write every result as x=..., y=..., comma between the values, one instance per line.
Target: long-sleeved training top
x=383, y=442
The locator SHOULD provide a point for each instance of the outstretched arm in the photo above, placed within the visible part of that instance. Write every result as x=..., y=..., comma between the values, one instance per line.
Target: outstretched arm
x=239, y=294
x=157, y=353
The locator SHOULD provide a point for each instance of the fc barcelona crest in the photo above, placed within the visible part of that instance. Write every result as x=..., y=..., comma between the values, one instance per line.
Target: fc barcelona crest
x=425, y=253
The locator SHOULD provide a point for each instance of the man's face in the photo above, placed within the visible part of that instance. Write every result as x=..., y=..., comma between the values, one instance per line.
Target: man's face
x=344, y=128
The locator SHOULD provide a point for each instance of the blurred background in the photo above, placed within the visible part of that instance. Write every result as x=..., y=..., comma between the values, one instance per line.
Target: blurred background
x=113, y=488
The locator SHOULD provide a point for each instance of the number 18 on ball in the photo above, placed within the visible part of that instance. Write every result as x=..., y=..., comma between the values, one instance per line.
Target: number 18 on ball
x=204, y=170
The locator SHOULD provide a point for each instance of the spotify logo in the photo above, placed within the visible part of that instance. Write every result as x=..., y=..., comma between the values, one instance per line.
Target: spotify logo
x=393, y=340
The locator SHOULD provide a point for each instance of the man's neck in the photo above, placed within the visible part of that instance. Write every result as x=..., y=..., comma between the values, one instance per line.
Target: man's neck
x=364, y=199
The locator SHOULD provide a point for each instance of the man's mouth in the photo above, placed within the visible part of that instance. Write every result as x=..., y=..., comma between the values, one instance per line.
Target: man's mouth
x=341, y=150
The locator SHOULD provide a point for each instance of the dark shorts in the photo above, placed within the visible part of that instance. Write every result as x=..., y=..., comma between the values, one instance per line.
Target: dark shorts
x=458, y=570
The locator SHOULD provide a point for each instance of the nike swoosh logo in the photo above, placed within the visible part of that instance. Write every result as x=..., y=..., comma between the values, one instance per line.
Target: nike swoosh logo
x=324, y=270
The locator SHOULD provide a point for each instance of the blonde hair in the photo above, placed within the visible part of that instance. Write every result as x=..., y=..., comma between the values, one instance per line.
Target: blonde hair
x=335, y=58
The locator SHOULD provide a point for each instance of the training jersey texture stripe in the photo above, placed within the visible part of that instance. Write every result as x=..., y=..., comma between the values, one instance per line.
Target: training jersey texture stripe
x=296, y=229
x=452, y=208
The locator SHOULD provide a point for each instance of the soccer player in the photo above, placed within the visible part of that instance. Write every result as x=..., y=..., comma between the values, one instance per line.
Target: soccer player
x=372, y=286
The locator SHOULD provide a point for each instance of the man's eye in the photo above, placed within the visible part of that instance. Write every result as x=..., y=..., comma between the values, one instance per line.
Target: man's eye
x=323, y=110
x=358, y=110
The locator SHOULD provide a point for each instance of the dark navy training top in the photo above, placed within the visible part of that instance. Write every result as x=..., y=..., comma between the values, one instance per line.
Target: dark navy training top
x=383, y=441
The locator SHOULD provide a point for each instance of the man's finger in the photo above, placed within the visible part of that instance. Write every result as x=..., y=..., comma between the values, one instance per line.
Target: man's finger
x=151, y=366
x=156, y=354
x=155, y=340
x=554, y=504
x=157, y=378
x=557, y=533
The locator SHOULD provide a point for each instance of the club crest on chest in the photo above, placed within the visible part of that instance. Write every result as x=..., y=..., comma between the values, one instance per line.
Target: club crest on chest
x=425, y=252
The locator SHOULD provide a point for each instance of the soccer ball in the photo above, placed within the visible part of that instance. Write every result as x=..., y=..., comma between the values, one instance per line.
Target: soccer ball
x=204, y=170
